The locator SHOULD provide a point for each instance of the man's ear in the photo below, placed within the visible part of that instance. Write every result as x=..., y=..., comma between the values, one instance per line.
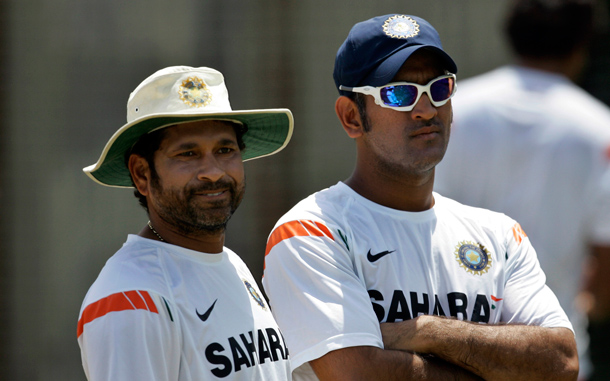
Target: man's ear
x=348, y=114
x=140, y=173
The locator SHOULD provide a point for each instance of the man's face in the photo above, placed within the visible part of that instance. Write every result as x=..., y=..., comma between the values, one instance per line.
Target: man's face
x=198, y=180
x=414, y=141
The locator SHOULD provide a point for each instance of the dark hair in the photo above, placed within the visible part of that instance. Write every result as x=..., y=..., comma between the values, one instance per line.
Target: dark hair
x=360, y=100
x=149, y=143
x=549, y=28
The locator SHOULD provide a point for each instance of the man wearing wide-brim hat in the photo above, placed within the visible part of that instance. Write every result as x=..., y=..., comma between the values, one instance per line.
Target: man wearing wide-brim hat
x=173, y=303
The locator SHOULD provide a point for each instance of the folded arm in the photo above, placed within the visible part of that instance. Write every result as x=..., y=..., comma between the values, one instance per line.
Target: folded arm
x=372, y=363
x=494, y=352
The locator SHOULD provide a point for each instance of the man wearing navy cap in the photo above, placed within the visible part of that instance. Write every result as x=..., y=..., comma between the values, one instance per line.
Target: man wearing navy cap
x=379, y=278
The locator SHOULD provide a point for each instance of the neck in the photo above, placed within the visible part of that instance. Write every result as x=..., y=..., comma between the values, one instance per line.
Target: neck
x=411, y=193
x=205, y=242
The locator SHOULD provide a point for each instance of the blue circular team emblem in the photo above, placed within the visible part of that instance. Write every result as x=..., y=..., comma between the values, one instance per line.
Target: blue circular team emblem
x=194, y=92
x=400, y=26
x=254, y=294
x=473, y=257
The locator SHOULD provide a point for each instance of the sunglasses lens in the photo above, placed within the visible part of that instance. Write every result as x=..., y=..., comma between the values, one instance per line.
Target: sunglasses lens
x=399, y=96
x=442, y=89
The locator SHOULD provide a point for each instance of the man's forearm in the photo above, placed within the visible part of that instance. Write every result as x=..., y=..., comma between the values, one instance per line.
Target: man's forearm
x=372, y=363
x=495, y=352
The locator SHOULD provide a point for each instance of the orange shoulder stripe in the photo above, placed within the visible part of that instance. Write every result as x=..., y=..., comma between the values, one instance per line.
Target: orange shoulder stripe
x=121, y=301
x=297, y=228
x=518, y=233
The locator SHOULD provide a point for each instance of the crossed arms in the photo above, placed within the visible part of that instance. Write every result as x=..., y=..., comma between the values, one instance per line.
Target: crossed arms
x=432, y=348
x=321, y=299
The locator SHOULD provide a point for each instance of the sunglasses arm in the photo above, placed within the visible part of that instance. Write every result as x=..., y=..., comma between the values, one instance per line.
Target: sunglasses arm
x=369, y=90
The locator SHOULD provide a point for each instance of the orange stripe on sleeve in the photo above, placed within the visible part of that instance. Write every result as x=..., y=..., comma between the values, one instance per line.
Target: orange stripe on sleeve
x=326, y=230
x=121, y=301
x=152, y=307
x=285, y=231
x=518, y=233
x=317, y=229
x=299, y=228
x=141, y=300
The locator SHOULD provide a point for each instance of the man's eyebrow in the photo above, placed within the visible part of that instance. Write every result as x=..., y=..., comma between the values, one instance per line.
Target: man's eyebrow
x=183, y=146
x=227, y=141
x=191, y=145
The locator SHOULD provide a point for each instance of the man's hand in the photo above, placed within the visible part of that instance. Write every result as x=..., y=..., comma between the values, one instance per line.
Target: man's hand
x=494, y=352
x=403, y=336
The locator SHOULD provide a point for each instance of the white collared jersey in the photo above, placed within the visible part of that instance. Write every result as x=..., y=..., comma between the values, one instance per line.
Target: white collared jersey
x=338, y=264
x=162, y=312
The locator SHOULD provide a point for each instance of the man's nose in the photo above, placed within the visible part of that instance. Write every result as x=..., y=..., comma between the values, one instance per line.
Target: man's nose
x=210, y=169
x=424, y=109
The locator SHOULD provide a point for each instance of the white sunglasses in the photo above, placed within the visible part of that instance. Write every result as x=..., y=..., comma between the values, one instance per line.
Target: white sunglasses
x=403, y=96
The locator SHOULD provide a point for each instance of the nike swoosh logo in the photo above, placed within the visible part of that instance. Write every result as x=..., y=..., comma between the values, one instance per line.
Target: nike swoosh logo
x=375, y=257
x=207, y=313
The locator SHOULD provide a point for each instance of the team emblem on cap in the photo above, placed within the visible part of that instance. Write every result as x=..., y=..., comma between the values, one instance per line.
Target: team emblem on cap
x=400, y=26
x=473, y=257
x=254, y=294
x=194, y=92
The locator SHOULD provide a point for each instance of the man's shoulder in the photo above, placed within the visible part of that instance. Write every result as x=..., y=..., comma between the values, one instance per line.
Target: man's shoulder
x=324, y=205
x=472, y=215
x=552, y=95
x=135, y=266
x=320, y=215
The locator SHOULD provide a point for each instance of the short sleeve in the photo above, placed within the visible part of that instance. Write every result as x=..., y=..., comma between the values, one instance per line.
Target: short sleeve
x=527, y=298
x=315, y=295
x=129, y=336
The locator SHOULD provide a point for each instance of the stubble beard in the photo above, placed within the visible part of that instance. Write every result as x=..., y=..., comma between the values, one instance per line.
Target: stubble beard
x=417, y=167
x=408, y=161
x=179, y=207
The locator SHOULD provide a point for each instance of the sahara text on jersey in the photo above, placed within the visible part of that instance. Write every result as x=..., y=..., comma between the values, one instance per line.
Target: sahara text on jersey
x=420, y=305
x=246, y=351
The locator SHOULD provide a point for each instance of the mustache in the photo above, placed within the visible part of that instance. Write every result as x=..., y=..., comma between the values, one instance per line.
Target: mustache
x=430, y=122
x=434, y=122
x=210, y=187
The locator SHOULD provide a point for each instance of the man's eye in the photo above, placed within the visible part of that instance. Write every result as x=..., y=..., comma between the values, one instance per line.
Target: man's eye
x=187, y=153
x=225, y=150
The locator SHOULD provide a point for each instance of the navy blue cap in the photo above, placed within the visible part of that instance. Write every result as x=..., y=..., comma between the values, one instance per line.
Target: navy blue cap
x=375, y=49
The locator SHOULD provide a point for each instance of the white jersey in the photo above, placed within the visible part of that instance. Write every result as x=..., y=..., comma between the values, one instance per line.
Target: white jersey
x=535, y=146
x=162, y=312
x=338, y=264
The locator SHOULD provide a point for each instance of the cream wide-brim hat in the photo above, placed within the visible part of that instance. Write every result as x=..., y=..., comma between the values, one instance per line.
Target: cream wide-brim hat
x=181, y=94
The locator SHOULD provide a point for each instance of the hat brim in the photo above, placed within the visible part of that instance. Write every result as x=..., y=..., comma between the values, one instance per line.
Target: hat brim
x=385, y=72
x=268, y=132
